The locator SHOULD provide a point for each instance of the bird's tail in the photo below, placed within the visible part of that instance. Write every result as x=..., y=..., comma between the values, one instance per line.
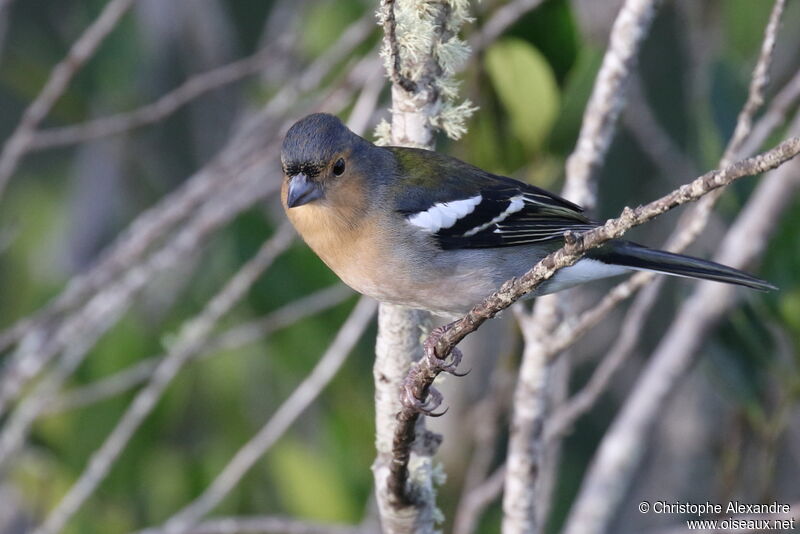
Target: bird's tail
x=628, y=254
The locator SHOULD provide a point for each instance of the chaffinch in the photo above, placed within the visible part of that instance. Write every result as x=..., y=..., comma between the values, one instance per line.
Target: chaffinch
x=424, y=230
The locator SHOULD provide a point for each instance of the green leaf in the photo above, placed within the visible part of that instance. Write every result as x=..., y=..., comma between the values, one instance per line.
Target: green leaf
x=526, y=87
x=310, y=484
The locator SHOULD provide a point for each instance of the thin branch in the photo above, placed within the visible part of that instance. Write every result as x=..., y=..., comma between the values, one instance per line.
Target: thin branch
x=233, y=182
x=500, y=21
x=623, y=445
x=156, y=111
x=423, y=373
x=477, y=500
x=692, y=223
x=485, y=420
x=267, y=525
x=775, y=115
x=526, y=448
x=81, y=51
x=202, y=83
x=758, y=84
x=608, y=98
x=233, y=338
x=563, y=418
x=390, y=32
x=302, y=397
x=247, y=144
x=191, y=339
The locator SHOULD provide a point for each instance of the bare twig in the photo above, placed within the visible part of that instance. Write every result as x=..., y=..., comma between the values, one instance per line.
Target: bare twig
x=653, y=139
x=202, y=83
x=239, y=172
x=191, y=339
x=267, y=525
x=81, y=51
x=758, y=84
x=287, y=413
x=623, y=445
x=526, y=448
x=776, y=114
x=425, y=371
x=608, y=97
x=562, y=419
x=156, y=111
x=233, y=338
x=485, y=419
x=694, y=220
x=478, y=499
x=500, y=21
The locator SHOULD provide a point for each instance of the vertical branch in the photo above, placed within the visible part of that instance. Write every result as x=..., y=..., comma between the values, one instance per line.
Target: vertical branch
x=525, y=449
x=608, y=98
x=421, y=51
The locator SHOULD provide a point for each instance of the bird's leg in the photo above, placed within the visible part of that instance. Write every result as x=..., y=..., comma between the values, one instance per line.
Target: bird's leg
x=447, y=364
x=419, y=394
x=433, y=399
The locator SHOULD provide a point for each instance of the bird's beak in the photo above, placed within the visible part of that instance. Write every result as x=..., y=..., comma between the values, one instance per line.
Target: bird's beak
x=302, y=191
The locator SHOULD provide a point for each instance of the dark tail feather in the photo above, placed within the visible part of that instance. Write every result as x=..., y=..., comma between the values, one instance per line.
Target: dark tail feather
x=639, y=257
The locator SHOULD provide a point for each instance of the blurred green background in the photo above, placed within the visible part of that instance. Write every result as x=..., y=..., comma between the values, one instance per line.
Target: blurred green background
x=65, y=205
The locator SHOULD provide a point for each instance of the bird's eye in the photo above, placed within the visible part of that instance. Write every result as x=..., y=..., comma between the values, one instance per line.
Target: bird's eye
x=338, y=167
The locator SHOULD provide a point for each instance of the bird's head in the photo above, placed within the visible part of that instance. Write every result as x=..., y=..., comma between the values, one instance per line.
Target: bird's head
x=317, y=153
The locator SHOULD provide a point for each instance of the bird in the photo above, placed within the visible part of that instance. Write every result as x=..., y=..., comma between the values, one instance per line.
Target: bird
x=424, y=230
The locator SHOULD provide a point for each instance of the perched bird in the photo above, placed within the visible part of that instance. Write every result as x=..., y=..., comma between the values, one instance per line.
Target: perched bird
x=424, y=230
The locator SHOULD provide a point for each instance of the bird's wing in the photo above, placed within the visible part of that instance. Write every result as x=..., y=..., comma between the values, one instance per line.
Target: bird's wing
x=466, y=207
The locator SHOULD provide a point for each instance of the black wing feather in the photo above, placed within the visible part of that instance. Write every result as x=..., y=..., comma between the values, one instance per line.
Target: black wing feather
x=543, y=217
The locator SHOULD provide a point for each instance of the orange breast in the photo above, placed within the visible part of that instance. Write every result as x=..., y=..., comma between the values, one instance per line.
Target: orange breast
x=342, y=238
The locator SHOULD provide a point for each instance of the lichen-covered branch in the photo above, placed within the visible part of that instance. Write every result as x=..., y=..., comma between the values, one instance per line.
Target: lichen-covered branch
x=421, y=51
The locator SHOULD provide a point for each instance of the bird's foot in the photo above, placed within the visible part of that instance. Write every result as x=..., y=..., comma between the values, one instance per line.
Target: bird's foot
x=433, y=399
x=448, y=364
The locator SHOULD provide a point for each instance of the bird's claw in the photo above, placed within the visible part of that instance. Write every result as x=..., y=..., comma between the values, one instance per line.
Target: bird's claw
x=445, y=365
x=428, y=406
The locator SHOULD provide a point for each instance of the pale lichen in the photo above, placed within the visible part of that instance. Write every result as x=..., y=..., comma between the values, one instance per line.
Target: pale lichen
x=423, y=52
x=383, y=133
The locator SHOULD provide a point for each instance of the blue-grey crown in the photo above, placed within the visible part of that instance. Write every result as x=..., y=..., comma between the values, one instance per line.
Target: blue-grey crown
x=314, y=140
